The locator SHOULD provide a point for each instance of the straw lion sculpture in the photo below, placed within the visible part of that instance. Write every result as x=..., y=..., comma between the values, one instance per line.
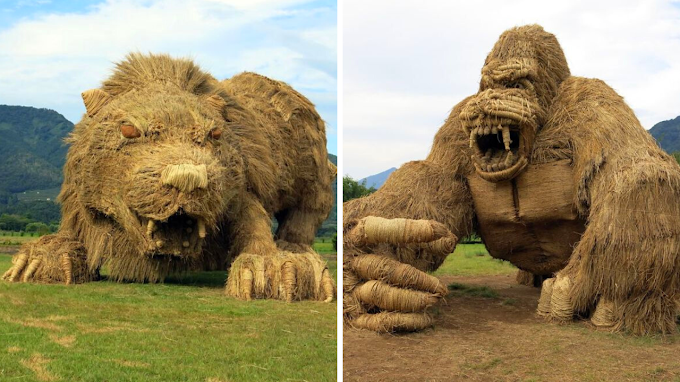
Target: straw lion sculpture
x=556, y=175
x=170, y=170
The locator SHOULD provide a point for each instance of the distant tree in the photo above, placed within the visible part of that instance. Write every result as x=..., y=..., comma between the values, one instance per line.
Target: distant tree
x=38, y=227
x=351, y=189
x=13, y=222
x=676, y=155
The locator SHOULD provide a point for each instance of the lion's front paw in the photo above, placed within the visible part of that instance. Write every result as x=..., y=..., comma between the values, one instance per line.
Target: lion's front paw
x=285, y=276
x=52, y=259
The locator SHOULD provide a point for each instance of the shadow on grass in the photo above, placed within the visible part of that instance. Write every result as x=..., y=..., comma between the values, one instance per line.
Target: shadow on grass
x=458, y=289
x=200, y=279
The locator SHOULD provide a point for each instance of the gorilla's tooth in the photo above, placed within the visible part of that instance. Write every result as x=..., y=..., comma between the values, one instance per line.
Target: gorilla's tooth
x=502, y=166
x=508, y=159
x=494, y=130
x=494, y=167
x=506, y=138
x=150, y=227
x=488, y=154
x=201, y=228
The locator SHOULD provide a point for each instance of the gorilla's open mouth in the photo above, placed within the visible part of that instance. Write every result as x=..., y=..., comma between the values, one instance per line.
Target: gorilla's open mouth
x=502, y=125
x=179, y=235
x=497, y=148
x=498, y=151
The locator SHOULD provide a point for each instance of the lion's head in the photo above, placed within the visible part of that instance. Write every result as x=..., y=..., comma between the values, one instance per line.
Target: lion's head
x=155, y=158
x=520, y=78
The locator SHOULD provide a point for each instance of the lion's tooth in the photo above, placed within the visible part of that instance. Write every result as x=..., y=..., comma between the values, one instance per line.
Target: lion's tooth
x=494, y=130
x=159, y=243
x=201, y=228
x=487, y=130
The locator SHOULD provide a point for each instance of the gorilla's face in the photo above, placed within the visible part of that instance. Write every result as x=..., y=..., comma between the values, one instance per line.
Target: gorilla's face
x=520, y=78
x=503, y=118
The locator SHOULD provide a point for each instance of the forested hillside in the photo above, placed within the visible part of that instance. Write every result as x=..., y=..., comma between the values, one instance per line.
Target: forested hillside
x=32, y=151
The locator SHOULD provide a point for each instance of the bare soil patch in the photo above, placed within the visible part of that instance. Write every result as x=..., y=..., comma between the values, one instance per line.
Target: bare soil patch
x=483, y=339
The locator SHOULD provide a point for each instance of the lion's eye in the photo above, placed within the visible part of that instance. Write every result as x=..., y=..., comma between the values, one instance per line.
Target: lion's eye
x=130, y=131
x=216, y=133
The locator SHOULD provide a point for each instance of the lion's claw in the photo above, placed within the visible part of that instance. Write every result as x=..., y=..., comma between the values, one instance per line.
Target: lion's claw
x=51, y=259
x=285, y=276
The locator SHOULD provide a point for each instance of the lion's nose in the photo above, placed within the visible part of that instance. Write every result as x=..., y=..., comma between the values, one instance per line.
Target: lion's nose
x=185, y=177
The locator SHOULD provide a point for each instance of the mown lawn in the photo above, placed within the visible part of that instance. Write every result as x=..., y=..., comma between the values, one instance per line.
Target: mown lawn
x=15, y=239
x=324, y=245
x=473, y=260
x=183, y=330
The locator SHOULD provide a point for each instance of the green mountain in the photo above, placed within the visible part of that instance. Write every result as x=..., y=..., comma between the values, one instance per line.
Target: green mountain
x=667, y=133
x=32, y=151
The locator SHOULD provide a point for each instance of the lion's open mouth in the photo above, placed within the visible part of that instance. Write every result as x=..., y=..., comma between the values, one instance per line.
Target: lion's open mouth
x=179, y=235
x=499, y=152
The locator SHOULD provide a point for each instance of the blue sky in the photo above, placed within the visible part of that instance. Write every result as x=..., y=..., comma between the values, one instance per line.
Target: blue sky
x=52, y=50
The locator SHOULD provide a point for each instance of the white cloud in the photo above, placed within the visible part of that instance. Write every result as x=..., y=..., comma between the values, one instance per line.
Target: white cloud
x=47, y=60
x=424, y=57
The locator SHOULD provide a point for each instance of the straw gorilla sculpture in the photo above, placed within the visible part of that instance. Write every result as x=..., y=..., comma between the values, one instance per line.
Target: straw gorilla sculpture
x=556, y=175
x=171, y=170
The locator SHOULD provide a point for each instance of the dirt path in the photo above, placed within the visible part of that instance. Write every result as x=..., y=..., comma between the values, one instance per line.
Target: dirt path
x=489, y=339
x=9, y=249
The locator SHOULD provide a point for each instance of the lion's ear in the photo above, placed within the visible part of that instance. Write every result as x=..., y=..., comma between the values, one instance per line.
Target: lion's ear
x=94, y=100
x=216, y=102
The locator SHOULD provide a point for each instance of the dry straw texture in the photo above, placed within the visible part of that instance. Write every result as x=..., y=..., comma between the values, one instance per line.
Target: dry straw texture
x=171, y=170
x=381, y=291
x=557, y=176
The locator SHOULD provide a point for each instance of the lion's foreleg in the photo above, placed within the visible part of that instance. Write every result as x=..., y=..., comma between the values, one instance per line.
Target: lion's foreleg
x=56, y=258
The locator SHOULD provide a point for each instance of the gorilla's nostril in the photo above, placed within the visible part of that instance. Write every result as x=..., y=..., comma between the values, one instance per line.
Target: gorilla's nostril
x=185, y=177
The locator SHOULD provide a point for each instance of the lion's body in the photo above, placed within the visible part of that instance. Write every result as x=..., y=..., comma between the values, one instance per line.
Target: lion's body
x=196, y=181
x=598, y=201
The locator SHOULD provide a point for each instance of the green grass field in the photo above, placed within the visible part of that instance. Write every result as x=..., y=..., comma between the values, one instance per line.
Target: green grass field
x=473, y=260
x=182, y=330
x=15, y=239
x=46, y=194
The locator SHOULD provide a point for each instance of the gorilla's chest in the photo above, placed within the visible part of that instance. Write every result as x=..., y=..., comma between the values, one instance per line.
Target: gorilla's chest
x=531, y=220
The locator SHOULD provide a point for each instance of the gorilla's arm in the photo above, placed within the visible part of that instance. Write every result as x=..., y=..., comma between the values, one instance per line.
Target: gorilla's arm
x=429, y=202
x=628, y=259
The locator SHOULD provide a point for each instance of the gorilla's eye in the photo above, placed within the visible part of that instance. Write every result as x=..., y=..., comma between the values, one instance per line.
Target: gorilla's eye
x=216, y=133
x=129, y=131
x=515, y=85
